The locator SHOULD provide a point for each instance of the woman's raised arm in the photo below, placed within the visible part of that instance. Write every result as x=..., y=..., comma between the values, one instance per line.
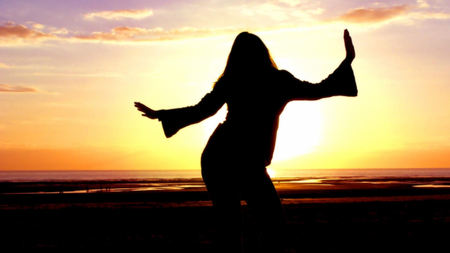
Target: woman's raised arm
x=340, y=83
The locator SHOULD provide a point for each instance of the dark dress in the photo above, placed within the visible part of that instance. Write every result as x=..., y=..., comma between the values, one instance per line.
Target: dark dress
x=235, y=158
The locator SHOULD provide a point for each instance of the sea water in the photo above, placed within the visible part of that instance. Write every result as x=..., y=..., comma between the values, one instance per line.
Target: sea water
x=69, y=175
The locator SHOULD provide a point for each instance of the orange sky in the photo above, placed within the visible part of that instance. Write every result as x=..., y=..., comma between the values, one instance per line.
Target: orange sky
x=68, y=81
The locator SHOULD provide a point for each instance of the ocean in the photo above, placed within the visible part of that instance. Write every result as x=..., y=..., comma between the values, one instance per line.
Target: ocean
x=65, y=175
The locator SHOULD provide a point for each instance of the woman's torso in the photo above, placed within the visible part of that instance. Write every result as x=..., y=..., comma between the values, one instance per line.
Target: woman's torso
x=248, y=133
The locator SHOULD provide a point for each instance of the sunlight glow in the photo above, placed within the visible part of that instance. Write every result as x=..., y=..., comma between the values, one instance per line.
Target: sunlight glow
x=300, y=130
x=210, y=124
x=271, y=173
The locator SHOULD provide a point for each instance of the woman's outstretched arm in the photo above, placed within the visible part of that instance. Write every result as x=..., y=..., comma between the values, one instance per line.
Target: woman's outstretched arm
x=174, y=119
x=340, y=83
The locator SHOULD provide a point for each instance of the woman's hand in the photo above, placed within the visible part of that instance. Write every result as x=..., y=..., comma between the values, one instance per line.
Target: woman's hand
x=349, y=47
x=149, y=113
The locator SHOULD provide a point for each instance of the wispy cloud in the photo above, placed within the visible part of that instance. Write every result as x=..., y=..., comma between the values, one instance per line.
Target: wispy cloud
x=373, y=15
x=119, y=14
x=291, y=3
x=402, y=14
x=422, y=4
x=4, y=66
x=429, y=15
x=125, y=33
x=12, y=33
x=15, y=88
x=16, y=34
x=12, y=30
x=252, y=15
x=35, y=26
x=75, y=74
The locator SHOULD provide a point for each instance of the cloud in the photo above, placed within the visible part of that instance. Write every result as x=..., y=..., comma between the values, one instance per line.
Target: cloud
x=422, y=4
x=119, y=14
x=4, y=66
x=60, y=31
x=74, y=74
x=280, y=12
x=11, y=32
x=35, y=26
x=17, y=34
x=291, y=3
x=429, y=15
x=405, y=14
x=373, y=15
x=253, y=15
x=15, y=88
x=125, y=33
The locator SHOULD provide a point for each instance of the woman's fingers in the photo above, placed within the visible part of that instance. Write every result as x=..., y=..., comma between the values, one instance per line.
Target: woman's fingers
x=349, y=46
x=141, y=107
x=147, y=112
x=137, y=104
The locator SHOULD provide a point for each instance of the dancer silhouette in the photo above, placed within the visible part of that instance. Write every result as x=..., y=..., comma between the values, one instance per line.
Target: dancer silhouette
x=235, y=158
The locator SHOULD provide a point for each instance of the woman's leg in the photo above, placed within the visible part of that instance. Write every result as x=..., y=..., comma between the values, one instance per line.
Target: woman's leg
x=265, y=205
x=220, y=163
x=227, y=208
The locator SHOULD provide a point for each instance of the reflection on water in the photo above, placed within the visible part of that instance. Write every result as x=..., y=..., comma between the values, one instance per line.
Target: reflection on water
x=67, y=175
x=155, y=187
x=432, y=186
x=308, y=181
x=133, y=185
x=389, y=182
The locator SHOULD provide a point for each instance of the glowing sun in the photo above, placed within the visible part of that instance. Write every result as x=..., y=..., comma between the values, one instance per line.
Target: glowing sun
x=299, y=131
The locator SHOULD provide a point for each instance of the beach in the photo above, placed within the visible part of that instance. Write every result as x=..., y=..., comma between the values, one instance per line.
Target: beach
x=173, y=215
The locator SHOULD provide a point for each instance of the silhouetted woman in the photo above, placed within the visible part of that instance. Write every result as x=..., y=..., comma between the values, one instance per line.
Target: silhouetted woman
x=235, y=158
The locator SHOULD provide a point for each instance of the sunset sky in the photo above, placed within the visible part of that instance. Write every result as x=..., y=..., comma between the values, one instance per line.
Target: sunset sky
x=71, y=70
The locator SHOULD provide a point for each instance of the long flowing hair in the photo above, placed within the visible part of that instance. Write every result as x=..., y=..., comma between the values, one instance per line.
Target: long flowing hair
x=248, y=57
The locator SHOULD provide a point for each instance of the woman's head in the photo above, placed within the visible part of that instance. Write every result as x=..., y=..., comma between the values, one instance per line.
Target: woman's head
x=248, y=55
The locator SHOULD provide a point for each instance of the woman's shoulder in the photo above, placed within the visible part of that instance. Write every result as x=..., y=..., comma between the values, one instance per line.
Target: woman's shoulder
x=282, y=73
x=284, y=76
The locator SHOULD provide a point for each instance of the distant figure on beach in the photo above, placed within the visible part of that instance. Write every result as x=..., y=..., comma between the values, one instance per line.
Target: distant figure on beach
x=235, y=158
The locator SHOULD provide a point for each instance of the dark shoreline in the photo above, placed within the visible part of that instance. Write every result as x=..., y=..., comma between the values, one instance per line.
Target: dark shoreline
x=336, y=215
x=67, y=186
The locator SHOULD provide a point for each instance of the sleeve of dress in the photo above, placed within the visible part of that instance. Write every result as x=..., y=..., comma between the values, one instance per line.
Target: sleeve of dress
x=339, y=83
x=174, y=119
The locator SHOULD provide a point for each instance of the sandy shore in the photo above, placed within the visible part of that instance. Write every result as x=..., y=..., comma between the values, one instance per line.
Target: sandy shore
x=322, y=216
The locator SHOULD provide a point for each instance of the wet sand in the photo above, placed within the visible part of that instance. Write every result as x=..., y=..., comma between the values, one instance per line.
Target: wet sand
x=322, y=215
